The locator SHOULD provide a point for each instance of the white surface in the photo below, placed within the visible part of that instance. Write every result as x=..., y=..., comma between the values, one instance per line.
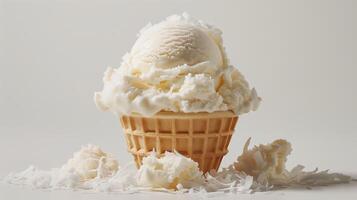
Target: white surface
x=339, y=192
x=40, y=153
x=300, y=55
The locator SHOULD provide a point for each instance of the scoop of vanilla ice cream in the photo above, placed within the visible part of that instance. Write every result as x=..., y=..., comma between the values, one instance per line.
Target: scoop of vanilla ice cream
x=91, y=162
x=169, y=171
x=175, y=42
x=177, y=65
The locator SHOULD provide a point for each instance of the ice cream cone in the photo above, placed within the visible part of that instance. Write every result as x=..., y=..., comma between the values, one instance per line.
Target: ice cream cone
x=204, y=137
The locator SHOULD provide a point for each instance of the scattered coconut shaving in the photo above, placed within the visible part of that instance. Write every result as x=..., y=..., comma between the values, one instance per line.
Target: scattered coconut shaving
x=169, y=171
x=259, y=169
x=266, y=163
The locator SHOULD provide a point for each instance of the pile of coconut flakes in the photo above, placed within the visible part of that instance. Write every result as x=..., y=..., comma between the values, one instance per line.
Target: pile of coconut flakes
x=258, y=169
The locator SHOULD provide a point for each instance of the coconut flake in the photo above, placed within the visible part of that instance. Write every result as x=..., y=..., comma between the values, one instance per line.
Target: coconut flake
x=259, y=169
x=266, y=163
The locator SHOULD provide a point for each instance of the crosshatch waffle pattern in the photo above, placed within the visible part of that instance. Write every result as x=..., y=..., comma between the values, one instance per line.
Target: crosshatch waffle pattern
x=204, y=137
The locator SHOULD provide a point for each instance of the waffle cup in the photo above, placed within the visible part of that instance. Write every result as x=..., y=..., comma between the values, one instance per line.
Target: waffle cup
x=203, y=137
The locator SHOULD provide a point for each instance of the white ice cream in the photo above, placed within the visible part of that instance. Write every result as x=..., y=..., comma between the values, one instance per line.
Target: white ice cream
x=176, y=65
x=172, y=171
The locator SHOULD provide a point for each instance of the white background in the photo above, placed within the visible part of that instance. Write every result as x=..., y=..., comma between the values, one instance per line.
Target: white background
x=301, y=56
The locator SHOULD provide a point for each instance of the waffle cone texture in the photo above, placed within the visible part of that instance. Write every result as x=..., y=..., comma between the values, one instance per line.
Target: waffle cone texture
x=203, y=137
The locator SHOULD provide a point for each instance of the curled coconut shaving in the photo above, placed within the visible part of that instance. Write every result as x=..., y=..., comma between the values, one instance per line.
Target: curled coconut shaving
x=266, y=163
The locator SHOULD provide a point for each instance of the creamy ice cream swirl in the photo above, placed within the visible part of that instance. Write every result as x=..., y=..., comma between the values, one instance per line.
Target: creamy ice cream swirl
x=177, y=65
